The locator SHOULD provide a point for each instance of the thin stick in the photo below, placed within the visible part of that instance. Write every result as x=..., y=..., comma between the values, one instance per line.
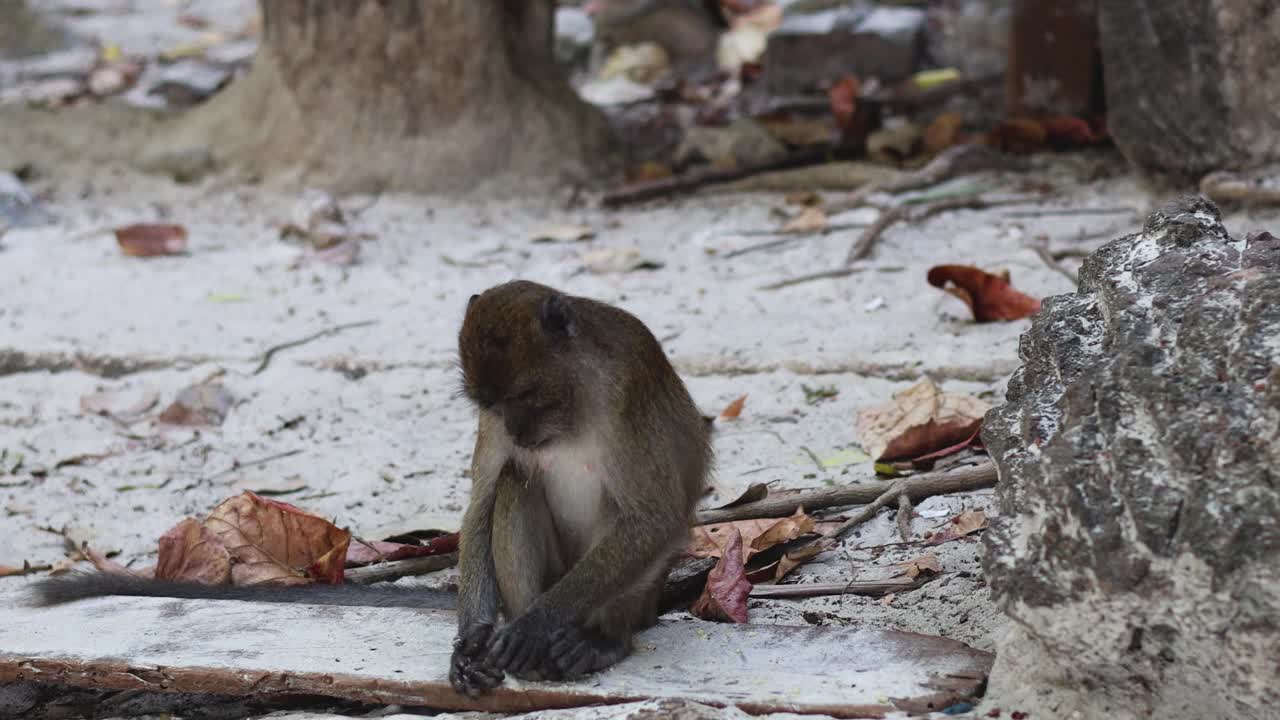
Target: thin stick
x=655, y=189
x=396, y=569
x=855, y=587
x=869, y=510
x=863, y=244
x=1055, y=212
x=905, y=509
x=918, y=487
x=956, y=160
x=825, y=274
x=790, y=238
x=271, y=351
x=1041, y=248
x=260, y=461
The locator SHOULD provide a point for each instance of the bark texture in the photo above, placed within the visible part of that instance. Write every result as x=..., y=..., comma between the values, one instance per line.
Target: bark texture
x=1138, y=542
x=420, y=95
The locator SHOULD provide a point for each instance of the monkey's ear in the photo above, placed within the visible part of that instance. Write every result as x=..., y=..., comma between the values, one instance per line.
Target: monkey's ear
x=472, y=301
x=555, y=316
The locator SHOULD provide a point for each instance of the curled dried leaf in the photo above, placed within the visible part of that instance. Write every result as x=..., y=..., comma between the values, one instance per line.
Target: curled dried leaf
x=725, y=596
x=152, y=239
x=191, y=552
x=919, y=421
x=990, y=297
x=272, y=541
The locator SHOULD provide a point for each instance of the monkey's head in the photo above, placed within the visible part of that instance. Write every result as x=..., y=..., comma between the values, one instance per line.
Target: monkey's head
x=516, y=350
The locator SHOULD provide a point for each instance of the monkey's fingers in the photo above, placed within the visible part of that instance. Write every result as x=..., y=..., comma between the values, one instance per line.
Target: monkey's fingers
x=473, y=678
x=474, y=640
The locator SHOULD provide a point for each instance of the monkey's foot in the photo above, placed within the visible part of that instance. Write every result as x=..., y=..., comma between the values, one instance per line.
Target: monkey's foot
x=579, y=651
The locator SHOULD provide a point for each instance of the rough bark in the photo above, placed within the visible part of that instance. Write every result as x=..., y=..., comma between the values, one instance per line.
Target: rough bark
x=421, y=95
x=1138, y=541
x=1192, y=86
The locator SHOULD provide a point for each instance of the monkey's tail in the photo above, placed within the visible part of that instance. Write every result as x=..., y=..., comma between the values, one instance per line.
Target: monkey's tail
x=81, y=585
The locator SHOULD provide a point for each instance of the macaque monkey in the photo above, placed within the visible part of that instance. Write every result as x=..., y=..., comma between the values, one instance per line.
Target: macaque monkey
x=588, y=462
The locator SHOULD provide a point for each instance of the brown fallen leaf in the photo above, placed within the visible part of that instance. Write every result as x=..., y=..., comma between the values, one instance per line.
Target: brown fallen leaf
x=206, y=404
x=1019, y=135
x=809, y=220
x=966, y=523
x=945, y=131
x=273, y=541
x=762, y=573
x=152, y=239
x=927, y=564
x=733, y=409
x=1065, y=131
x=918, y=421
x=990, y=297
x=725, y=596
x=758, y=534
x=191, y=552
x=366, y=553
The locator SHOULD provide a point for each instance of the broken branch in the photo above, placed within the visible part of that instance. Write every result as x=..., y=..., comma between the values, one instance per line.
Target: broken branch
x=271, y=351
x=917, y=487
x=396, y=569
x=853, y=587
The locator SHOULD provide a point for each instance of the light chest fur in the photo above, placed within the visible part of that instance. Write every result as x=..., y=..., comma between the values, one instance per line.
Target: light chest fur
x=573, y=475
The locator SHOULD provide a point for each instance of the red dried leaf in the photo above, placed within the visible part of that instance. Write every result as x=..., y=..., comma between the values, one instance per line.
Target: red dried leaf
x=1064, y=131
x=191, y=552
x=843, y=97
x=919, y=421
x=152, y=239
x=991, y=297
x=974, y=440
x=360, y=553
x=1019, y=135
x=733, y=409
x=724, y=598
x=272, y=541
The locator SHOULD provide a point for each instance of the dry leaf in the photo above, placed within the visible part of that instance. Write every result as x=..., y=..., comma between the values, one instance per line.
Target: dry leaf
x=843, y=97
x=563, y=233
x=809, y=220
x=642, y=63
x=758, y=534
x=618, y=260
x=725, y=596
x=733, y=409
x=1064, y=131
x=754, y=492
x=191, y=552
x=927, y=564
x=966, y=523
x=272, y=541
x=990, y=297
x=152, y=239
x=206, y=404
x=919, y=420
x=125, y=408
x=1019, y=135
x=946, y=130
x=365, y=553
x=790, y=560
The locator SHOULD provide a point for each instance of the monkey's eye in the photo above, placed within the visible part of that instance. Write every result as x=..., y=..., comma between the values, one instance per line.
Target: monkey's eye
x=523, y=396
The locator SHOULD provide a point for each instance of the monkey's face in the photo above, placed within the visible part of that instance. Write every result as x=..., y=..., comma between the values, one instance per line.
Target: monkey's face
x=516, y=355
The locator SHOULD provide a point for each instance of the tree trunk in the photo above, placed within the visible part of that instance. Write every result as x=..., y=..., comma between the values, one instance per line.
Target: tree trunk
x=419, y=95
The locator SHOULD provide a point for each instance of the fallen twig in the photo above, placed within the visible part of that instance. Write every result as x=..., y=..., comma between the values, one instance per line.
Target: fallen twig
x=824, y=274
x=905, y=509
x=1041, y=248
x=956, y=160
x=917, y=487
x=271, y=351
x=1055, y=212
x=655, y=189
x=396, y=569
x=854, y=587
x=252, y=463
x=790, y=237
x=870, y=509
x=863, y=244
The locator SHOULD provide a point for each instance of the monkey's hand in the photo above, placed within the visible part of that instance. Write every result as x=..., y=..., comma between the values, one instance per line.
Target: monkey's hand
x=469, y=672
x=522, y=647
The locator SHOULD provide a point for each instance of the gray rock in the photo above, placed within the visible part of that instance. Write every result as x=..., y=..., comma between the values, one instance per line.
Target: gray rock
x=1138, y=543
x=1198, y=88
x=574, y=35
x=812, y=50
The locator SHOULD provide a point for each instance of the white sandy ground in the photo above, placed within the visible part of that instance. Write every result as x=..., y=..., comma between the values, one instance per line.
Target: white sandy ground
x=383, y=439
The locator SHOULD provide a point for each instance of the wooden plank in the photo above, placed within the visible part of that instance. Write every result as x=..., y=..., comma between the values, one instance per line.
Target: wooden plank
x=397, y=655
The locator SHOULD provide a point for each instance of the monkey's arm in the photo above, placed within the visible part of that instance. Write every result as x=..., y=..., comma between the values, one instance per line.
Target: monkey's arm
x=478, y=596
x=82, y=585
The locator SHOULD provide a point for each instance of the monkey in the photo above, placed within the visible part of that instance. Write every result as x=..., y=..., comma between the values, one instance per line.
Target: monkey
x=590, y=455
